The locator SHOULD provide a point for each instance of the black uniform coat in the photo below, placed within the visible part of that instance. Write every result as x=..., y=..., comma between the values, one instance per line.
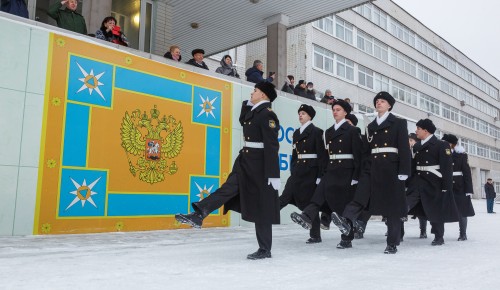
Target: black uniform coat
x=335, y=186
x=426, y=187
x=462, y=184
x=257, y=200
x=301, y=184
x=379, y=188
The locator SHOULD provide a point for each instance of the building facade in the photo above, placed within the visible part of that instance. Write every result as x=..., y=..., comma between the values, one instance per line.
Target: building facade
x=380, y=47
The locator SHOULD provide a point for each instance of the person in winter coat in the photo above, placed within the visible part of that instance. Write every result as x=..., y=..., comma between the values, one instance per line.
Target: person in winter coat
x=300, y=89
x=381, y=186
x=255, y=73
x=226, y=67
x=288, y=86
x=490, y=195
x=462, y=183
x=310, y=92
x=109, y=31
x=15, y=7
x=197, y=59
x=252, y=187
x=306, y=167
x=430, y=190
x=336, y=188
x=174, y=53
x=67, y=17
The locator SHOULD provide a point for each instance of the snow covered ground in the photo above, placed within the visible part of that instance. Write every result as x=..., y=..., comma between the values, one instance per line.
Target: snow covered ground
x=215, y=258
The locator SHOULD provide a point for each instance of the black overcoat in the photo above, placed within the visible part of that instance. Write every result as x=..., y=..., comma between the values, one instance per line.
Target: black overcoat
x=462, y=184
x=425, y=192
x=335, y=185
x=301, y=184
x=379, y=188
x=257, y=200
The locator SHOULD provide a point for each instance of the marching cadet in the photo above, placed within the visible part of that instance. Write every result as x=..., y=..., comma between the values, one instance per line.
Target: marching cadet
x=252, y=187
x=462, y=183
x=336, y=188
x=381, y=186
x=308, y=160
x=430, y=192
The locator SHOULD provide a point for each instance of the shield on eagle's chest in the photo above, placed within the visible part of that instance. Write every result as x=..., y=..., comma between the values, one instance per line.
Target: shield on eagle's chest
x=153, y=149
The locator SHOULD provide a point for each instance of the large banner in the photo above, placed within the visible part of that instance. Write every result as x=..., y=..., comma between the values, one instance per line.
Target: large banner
x=127, y=142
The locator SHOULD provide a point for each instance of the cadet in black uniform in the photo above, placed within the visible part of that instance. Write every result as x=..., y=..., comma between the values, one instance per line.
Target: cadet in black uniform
x=381, y=186
x=430, y=192
x=462, y=183
x=252, y=187
x=336, y=188
x=307, y=166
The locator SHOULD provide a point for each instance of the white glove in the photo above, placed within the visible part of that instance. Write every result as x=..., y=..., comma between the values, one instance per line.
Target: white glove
x=468, y=194
x=275, y=182
x=318, y=180
x=444, y=190
x=354, y=182
x=403, y=177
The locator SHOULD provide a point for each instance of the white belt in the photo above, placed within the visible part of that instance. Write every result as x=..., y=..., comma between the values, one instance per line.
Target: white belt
x=431, y=169
x=341, y=156
x=258, y=145
x=385, y=150
x=307, y=156
x=457, y=173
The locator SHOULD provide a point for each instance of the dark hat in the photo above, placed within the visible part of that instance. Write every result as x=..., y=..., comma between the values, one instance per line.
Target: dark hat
x=301, y=82
x=198, y=50
x=386, y=96
x=427, y=124
x=345, y=105
x=308, y=109
x=450, y=138
x=310, y=83
x=413, y=136
x=352, y=118
x=268, y=89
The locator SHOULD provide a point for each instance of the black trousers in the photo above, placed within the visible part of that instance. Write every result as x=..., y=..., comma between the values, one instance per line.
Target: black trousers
x=312, y=211
x=226, y=192
x=462, y=225
x=423, y=224
x=315, y=231
x=437, y=229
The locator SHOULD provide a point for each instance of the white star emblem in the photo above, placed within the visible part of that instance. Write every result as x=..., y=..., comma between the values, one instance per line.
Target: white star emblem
x=204, y=192
x=90, y=81
x=83, y=193
x=207, y=106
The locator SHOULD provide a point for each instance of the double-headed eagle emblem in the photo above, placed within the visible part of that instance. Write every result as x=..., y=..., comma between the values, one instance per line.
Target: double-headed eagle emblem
x=150, y=141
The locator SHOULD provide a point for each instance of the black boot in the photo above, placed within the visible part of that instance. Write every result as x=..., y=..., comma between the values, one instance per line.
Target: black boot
x=342, y=223
x=325, y=221
x=260, y=254
x=462, y=237
x=390, y=249
x=358, y=235
x=423, y=235
x=344, y=244
x=301, y=219
x=193, y=219
x=313, y=241
x=437, y=242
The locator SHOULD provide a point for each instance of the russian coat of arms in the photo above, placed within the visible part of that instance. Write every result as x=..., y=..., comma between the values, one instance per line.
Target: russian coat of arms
x=149, y=142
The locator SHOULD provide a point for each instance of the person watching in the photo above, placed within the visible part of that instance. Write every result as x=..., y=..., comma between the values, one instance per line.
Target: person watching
x=226, y=67
x=197, y=60
x=255, y=73
x=174, y=53
x=111, y=32
x=67, y=17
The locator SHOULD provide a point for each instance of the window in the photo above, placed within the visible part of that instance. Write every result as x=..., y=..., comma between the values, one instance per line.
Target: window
x=365, y=109
x=381, y=83
x=323, y=59
x=427, y=76
x=403, y=63
x=429, y=104
x=467, y=120
x=448, y=87
x=381, y=50
x=344, y=30
x=379, y=17
x=427, y=49
x=345, y=68
x=365, y=42
x=447, y=62
x=325, y=24
x=365, y=77
x=450, y=113
x=402, y=32
x=404, y=93
x=483, y=150
x=482, y=126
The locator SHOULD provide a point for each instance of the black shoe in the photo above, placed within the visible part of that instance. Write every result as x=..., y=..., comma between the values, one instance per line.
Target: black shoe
x=302, y=220
x=313, y=241
x=437, y=242
x=423, y=235
x=358, y=235
x=462, y=237
x=325, y=222
x=344, y=245
x=390, y=249
x=341, y=223
x=193, y=219
x=260, y=254
x=359, y=226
